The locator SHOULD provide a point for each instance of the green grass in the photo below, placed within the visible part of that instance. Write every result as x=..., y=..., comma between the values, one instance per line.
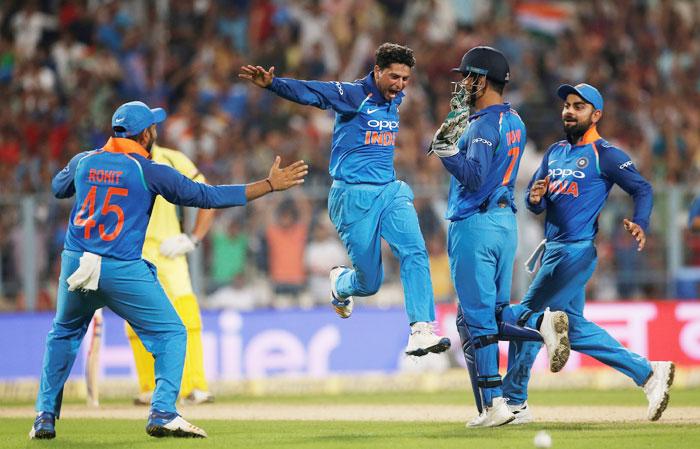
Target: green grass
x=632, y=397
x=107, y=434
x=92, y=433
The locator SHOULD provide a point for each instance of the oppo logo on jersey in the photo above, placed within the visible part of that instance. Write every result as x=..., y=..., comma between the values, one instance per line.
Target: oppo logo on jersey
x=565, y=173
x=383, y=124
x=625, y=165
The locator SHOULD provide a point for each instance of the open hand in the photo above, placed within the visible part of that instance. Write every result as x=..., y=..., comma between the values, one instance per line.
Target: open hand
x=637, y=232
x=289, y=176
x=257, y=75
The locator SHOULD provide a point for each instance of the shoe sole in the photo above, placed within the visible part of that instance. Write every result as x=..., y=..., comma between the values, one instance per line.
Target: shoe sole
x=161, y=432
x=442, y=346
x=563, y=349
x=520, y=421
x=42, y=435
x=508, y=421
x=667, y=396
x=341, y=312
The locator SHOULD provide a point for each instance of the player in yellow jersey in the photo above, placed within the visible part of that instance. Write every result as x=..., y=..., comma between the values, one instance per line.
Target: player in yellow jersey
x=165, y=246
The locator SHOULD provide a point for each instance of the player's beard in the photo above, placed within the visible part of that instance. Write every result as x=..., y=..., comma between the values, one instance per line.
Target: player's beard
x=575, y=132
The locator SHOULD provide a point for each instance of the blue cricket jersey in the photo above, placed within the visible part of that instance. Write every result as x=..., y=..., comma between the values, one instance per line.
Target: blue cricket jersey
x=365, y=130
x=115, y=187
x=486, y=166
x=580, y=179
x=694, y=211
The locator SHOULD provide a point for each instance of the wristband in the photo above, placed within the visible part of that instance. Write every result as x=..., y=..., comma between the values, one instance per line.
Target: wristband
x=272, y=189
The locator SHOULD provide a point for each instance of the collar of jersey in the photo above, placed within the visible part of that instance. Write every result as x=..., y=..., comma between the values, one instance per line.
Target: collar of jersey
x=589, y=137
x=502, y=107
x=374, y=90
x=121, y=145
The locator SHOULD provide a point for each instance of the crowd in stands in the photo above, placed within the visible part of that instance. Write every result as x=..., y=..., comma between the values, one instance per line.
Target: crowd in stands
x=65, y=65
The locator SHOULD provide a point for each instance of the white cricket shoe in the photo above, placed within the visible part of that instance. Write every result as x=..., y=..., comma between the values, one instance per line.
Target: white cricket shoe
x=477, y=421
x=143, y=398
x=168, y=424
x=657, y=386
x=342, y=306
x=555, y=333
x=496, y=415
x=424, y=340
x=197, y=397
x=522, y=413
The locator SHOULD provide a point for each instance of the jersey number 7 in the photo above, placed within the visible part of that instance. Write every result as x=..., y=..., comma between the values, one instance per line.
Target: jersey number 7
x=89, y=221
x=513, y=153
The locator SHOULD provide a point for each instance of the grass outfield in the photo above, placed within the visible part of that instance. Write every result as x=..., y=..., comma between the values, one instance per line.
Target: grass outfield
x=341, y=435
x=129, y=433
x=632, y=397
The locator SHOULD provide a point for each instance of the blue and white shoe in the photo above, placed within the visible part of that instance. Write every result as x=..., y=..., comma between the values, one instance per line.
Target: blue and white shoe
x=423, y=340
x=342, y=306
x=657, y=388
x=522, y=413
x=169, y=424
x=555, y=334
x=44, y=427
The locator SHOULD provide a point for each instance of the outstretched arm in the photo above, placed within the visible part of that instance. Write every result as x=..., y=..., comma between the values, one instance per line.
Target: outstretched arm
x=179, y=189
x=278, y=179
x=344, y=98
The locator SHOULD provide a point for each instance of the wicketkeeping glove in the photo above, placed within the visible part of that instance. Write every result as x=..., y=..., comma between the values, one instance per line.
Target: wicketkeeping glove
x=177, y=246
x=448, y=134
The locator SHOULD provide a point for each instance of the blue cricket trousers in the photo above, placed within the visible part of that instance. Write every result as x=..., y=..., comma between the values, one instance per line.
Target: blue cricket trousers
x=132, y=291
x=481, y=249
x=363, y=214
x=560, y=284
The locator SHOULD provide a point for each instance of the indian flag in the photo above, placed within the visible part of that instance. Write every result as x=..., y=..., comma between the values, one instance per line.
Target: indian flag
x=544, y=17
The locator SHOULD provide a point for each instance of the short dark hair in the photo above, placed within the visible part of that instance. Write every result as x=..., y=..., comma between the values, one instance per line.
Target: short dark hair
x=498, y=87
x=389, y=53
x=135, y=137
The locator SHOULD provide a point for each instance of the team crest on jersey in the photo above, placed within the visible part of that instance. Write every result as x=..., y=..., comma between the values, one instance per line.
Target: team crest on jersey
x=582, y=162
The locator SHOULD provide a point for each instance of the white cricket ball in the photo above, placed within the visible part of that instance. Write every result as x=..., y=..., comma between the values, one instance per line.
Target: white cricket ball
x=542, y=439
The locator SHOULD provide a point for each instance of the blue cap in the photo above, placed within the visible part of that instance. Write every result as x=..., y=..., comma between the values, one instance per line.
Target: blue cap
x=133, y=117
x=589, y=93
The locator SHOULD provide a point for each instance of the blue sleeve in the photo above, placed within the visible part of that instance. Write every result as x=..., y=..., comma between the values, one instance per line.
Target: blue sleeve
x=471, y=165
x=541, y=173
x=694, y=212
x=617, y=166
x=343, y=98
x=62, y=184
x=179, y=189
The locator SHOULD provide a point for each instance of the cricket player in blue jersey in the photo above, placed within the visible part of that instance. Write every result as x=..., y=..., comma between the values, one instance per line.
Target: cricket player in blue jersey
x=101, y=264
x=366, y=202
x=571, y=185
x=694, y=216
x=482, y=236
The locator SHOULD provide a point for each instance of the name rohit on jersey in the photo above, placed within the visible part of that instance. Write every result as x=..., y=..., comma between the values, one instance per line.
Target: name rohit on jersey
x=104, y=176
x=381, y=137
